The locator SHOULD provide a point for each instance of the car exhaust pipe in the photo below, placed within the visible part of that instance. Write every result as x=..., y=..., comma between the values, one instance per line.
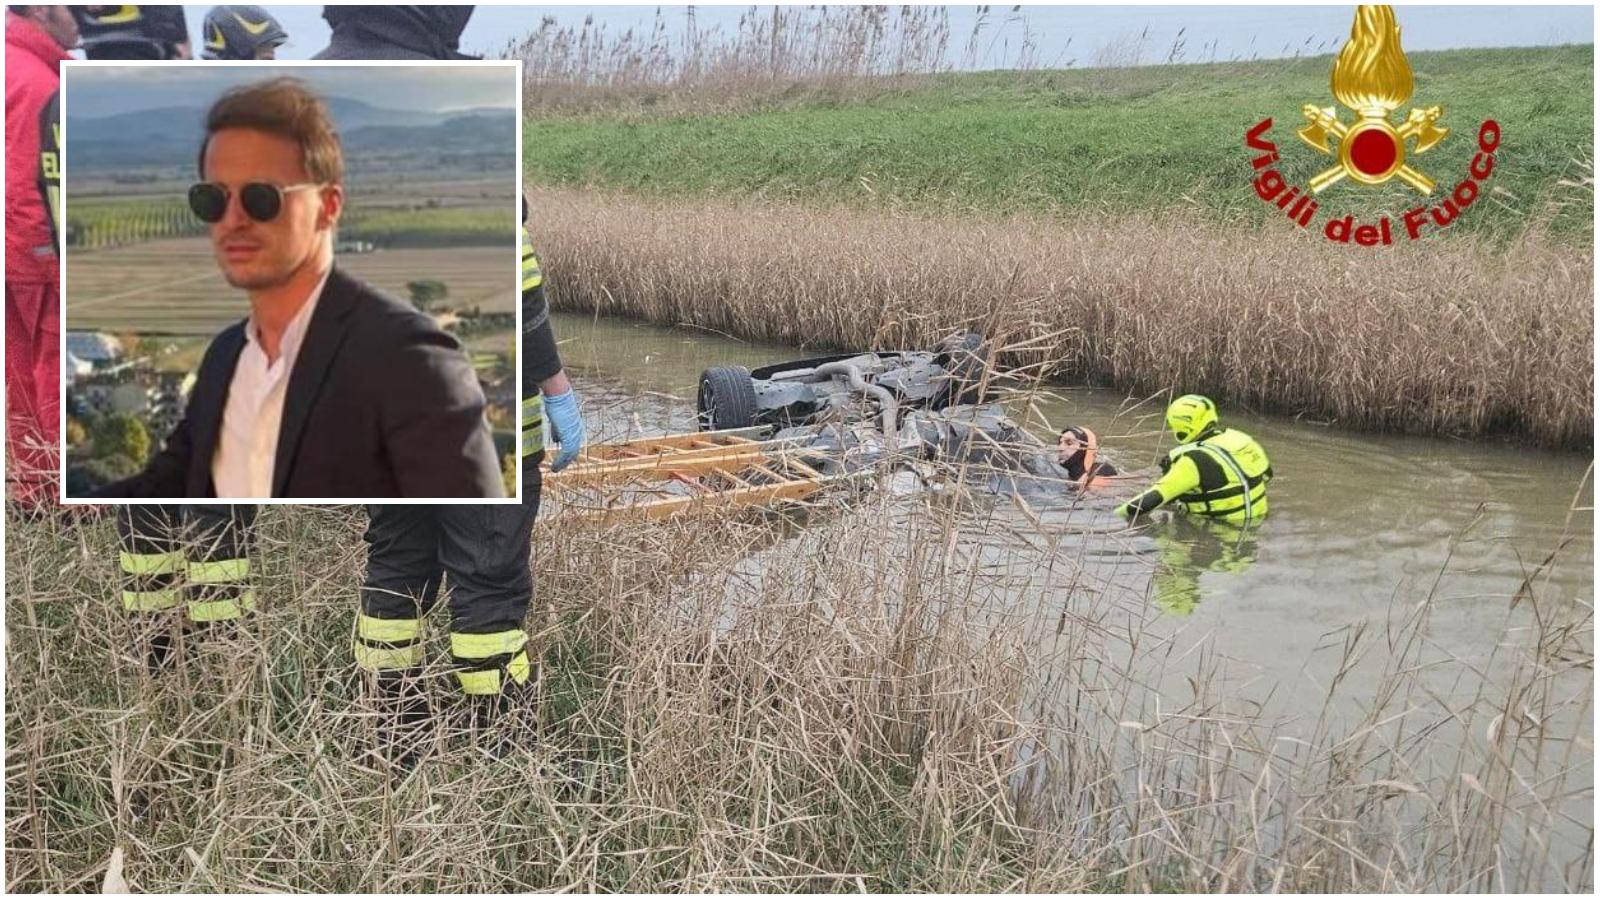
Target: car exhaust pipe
x=891, y=408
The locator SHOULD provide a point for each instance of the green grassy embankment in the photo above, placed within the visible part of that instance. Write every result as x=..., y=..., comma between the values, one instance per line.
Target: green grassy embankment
x=1109, y=215
x=1133, y=140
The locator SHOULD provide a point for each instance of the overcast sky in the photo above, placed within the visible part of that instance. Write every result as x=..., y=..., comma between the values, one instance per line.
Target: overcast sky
x=95, y=91
x=1264, y=31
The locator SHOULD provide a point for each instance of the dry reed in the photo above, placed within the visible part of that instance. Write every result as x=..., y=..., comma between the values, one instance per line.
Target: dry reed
x=884, y=694
x=778, y=52
x=1442, y=337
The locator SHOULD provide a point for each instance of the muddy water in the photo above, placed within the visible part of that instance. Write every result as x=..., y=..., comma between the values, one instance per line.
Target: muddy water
x=1362, y=528
x=1358, y=521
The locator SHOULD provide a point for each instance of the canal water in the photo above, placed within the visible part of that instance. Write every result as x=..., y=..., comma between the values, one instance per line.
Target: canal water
x=1363, y=528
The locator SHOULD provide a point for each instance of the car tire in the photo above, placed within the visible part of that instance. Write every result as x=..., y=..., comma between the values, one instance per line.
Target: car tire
x=965, y=356
x=727, y=399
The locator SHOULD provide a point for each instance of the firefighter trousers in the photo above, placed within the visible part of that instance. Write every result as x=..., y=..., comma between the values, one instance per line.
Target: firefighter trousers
x=197, y=556
x=485, y=552
x=33, y=382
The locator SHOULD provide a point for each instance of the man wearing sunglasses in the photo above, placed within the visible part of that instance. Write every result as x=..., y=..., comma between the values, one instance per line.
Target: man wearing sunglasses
x=329, y=388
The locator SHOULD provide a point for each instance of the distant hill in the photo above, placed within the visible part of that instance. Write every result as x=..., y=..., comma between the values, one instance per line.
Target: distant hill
x=170, y=136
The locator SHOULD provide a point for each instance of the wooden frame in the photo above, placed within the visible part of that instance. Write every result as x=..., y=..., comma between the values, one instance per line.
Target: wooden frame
x=657, y=477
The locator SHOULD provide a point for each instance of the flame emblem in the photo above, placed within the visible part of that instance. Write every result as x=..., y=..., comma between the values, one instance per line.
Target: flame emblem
x=1372, y=78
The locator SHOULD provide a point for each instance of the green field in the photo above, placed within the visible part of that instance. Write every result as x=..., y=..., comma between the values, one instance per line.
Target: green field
x=1140, y=139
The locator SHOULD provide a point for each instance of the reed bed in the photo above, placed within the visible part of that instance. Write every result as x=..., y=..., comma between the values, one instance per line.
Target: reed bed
x=778, y=53
x=1454, y=338
x=872, y=693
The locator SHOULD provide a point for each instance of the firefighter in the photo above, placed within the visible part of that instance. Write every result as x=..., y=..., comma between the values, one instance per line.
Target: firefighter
x=191, y=557
x=37, y=41
x=484, y=549
x=134, y=32
x=1215, y=472
x=395, y=32
x=240, y=32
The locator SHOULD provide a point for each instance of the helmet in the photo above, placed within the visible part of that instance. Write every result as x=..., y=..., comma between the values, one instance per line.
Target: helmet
x=1189, y=416
x=239, y=32
x=131, y=32
x=433, y=31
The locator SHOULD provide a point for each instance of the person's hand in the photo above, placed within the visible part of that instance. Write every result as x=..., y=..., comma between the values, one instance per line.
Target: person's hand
x=566, y=426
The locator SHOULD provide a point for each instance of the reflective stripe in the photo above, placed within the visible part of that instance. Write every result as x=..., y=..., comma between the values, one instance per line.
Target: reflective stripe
x=480, y=683
x=532, y=424
x=519, y=668
x=532, y=277
x=220, y=571
x=219, y=610
x=150, y=601
x=483, y=646
x=375, y=659
x=152, y=563
x=390, y=631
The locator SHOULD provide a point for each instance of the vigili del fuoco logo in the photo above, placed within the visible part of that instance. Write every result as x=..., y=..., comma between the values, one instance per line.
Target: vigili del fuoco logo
x=1372, y=79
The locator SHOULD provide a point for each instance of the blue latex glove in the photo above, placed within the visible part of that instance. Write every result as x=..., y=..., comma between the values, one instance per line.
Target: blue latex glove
x=566, y=427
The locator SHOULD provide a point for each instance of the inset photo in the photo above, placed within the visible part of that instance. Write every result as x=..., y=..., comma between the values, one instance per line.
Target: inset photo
x=290, y=281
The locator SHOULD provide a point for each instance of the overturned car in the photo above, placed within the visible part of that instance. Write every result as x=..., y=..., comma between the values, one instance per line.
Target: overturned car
x=832, y=388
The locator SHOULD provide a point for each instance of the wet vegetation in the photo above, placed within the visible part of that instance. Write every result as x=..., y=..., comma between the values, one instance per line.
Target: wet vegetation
x=730, y=703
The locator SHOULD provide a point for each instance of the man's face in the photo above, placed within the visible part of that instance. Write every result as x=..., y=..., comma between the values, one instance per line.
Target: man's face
x=182, y=51
x=265, y=52
x=57, y=21
x=1068, y=447
x=257, y=255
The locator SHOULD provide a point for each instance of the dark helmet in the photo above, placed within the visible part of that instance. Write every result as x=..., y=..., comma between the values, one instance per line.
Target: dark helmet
x=431, y=31
x=131, y=32
x=238, y=32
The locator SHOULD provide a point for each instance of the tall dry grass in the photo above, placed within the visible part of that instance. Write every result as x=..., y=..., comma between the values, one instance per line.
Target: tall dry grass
x=868, y=697
x=776, y=44
x=1441, y=337
x=777, y=51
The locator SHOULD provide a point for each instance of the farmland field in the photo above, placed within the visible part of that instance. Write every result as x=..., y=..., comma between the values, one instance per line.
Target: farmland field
x=173, y=286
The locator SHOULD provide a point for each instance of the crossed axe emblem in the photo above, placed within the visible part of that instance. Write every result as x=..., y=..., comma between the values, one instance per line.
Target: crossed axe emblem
x=1370, y=150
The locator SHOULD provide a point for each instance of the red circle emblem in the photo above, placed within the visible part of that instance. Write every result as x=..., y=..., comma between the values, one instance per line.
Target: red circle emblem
x=1373, y=152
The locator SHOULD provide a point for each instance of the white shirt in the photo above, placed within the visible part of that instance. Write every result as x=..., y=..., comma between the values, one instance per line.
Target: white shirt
x=247, y=448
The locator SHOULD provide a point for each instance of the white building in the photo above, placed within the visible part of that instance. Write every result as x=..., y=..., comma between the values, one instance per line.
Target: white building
x=93, y=347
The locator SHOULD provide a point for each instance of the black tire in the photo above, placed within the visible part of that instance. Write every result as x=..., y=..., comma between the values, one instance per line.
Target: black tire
x=727, y=399
x=965, y=357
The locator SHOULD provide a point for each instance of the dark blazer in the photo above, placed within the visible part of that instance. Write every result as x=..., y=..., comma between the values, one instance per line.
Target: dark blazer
x=381, y=403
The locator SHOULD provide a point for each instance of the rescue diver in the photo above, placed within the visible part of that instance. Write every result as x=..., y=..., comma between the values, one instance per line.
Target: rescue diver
x=1216, y=472
x=240, y=32
x=196, y=556
x=484, y=550
x=1076, y=451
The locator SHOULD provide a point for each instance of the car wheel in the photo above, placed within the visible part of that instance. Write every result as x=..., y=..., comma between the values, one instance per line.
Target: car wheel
x=727, y=399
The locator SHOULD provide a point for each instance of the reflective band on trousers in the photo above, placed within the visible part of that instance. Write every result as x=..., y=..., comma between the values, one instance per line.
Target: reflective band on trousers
x=376, y=659
x=487, y=681
x=483, y=646
x=150, y=601
x=220, y=571
x=392, y=631
x=152, y=563
x=219, y=610
x=532, y=277
x=533, y=424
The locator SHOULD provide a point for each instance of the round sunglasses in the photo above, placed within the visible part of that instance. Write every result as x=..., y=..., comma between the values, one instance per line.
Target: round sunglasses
x=261, y=201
